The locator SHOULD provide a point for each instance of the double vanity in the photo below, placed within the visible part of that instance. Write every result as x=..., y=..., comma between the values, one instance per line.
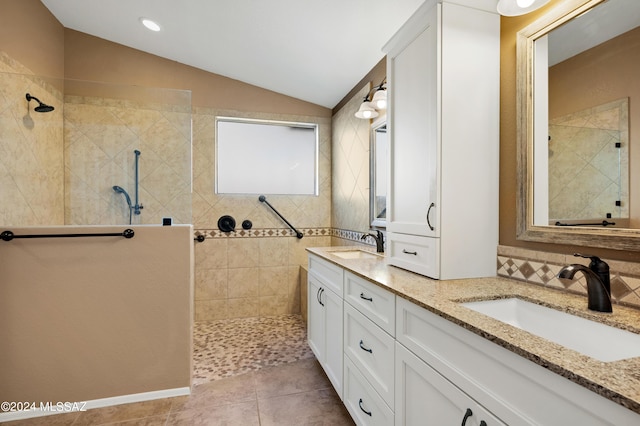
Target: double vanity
x=403, y=349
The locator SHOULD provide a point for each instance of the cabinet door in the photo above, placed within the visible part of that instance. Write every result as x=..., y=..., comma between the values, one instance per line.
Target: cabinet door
x=315, y=318
x=414, y=133
x=424, y=397
x=333, y=338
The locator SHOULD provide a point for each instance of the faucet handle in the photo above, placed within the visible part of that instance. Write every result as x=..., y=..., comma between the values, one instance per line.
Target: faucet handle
x=596, y=264
x=600, y=267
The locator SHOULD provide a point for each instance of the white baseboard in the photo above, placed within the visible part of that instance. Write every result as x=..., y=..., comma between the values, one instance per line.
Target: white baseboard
x=67, y=407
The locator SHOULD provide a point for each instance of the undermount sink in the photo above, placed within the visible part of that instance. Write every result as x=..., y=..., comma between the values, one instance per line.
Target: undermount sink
x=354, y=254
x=590, y=338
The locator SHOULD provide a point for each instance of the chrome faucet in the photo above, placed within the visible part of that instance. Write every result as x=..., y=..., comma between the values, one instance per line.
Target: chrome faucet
x=379, y=239
x=598, y=281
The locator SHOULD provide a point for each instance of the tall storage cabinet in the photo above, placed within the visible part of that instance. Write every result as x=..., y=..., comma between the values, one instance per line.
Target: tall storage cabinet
x=443, y=72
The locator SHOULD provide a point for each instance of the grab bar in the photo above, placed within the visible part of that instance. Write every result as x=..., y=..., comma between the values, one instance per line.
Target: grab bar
x=8, y=235
x=603, y=223
x=263, y=199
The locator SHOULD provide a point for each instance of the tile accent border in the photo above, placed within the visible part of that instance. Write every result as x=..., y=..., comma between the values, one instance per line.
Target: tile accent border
x=262, y=233
x=541, y=268
x=345, y=234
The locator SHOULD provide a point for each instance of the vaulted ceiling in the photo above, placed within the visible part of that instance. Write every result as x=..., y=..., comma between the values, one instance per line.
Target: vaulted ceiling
x=311, y=50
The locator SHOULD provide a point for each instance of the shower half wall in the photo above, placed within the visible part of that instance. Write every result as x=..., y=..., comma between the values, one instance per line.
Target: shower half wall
x=59, y=168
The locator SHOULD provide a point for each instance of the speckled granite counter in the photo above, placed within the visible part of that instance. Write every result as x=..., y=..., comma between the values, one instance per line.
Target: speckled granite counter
x=618, y=381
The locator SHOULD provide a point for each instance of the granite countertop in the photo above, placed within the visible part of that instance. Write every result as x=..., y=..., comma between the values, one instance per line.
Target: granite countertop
x=618, y=381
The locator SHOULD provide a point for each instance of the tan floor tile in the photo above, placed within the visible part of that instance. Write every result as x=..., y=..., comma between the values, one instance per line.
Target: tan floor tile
x=220, y=392
x=160, y=420
x=321, y=407
x=291, y=378
x=124, y=412
x=53, y=420
x=243, y=414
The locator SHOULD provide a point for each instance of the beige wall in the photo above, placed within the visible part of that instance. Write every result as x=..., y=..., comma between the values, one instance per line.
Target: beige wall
x=91, y=318
x=95, y=59
x=33, y=36
x=508, y=146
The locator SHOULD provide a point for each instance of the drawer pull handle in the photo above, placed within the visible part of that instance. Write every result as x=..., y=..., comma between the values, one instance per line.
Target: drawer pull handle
x=467, y=414
x=365, y=349
x=320, y=291
x=415, y=253
x=432, y=205
x=368, y=413
x=362, y=296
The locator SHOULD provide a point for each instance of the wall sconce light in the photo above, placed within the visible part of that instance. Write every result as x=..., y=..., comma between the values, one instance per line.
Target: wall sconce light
x=519, y=7
x=370, y=106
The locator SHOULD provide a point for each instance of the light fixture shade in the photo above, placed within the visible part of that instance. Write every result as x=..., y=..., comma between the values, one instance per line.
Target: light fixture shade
x=380, y=99
x=366, y=111
x=519, y=7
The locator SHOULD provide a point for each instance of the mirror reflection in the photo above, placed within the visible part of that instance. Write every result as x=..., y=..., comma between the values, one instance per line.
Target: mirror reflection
x=585, y=150
x=379, y=147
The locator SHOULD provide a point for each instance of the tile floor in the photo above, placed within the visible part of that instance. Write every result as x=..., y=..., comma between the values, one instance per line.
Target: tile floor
x=286, y=390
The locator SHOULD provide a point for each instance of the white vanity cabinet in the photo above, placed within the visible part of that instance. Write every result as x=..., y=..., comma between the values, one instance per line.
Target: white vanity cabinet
x=443, y=71
x=484, y=377
x=325, y=317
x=427, y=398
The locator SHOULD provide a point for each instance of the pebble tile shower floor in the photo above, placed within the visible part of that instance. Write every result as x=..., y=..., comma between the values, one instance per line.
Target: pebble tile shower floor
x=227, y=348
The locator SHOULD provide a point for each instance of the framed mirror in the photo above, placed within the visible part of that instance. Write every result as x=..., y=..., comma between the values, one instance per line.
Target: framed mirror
x=578, y=137
x=379, y=147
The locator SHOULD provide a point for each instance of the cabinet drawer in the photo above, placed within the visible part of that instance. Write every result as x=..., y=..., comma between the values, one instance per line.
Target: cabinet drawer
x=371, y=350
x=327, y=273
x=424, y=397
x=373, y=301
x=415, y=253
x=363, y=403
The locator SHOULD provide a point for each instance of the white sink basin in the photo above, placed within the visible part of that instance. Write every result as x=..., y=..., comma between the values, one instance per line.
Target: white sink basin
x=590, y=338
x=354, y=254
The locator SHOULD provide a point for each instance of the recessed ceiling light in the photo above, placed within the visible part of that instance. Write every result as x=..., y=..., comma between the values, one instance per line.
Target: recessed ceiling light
x=153, y=26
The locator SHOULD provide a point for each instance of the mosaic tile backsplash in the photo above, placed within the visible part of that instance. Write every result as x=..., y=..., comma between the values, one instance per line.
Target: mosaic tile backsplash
x=541, y=268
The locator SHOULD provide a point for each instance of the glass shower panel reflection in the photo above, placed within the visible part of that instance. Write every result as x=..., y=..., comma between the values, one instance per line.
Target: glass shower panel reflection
x=105, y=127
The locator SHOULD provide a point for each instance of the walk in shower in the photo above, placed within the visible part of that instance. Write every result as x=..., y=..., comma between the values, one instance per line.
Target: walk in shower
x=63, y=167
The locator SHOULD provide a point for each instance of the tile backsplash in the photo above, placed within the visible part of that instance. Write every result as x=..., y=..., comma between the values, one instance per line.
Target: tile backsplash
x=541, y=268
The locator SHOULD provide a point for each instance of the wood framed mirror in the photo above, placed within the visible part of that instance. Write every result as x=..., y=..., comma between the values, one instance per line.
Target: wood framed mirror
x=578, y=154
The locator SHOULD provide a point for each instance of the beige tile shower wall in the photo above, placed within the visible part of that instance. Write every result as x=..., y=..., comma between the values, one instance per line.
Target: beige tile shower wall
x=31, y=149
x=253, y=273
x=351, y=167
x=100, y=138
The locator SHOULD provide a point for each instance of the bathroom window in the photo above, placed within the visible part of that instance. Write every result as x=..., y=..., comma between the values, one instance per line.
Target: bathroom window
x=266, y=157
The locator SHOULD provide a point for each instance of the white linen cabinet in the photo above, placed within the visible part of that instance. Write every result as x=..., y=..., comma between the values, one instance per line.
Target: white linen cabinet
x=443, y=69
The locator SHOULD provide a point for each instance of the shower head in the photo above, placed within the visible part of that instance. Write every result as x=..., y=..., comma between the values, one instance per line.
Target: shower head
x=41, y=107
x=121, y=190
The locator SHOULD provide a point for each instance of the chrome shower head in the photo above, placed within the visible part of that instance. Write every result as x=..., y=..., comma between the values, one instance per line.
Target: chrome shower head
x=41, y=106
